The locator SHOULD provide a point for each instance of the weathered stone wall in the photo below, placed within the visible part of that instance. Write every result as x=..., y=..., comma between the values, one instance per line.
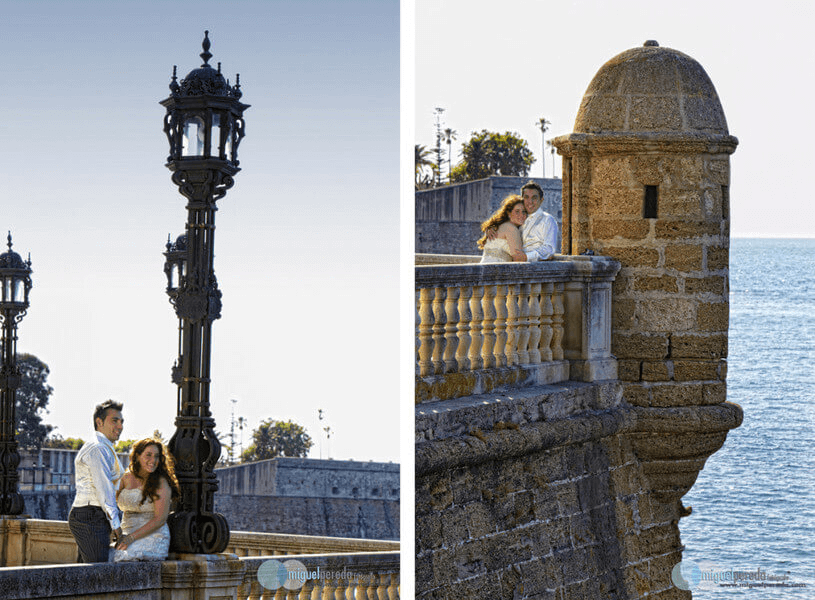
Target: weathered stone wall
x=334, y=517
x=448, y=218
x=538, y=495
x=311, y=478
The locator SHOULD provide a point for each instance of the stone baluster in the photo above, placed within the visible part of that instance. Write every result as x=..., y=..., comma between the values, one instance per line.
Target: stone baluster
x=547, y=310
x=464, y=326
x=340, y=589
x=513, y=318
x=523, y=324
x=308, y=591
x=451, y=329
x=393, y=588
x=557, y=322
x=500, y=349
x=439, y=322
x=418, y=342
x=366, y=587
x=488, y=328
x=534, y=323
x=425, y=302
x=476, y=325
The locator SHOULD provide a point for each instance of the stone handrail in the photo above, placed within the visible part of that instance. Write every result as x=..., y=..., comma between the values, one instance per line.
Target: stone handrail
x=43, y=542
x=371, y=576
x=480, y=327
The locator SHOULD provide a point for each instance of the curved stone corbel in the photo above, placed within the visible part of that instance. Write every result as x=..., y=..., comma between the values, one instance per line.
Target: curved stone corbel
x=672, y=444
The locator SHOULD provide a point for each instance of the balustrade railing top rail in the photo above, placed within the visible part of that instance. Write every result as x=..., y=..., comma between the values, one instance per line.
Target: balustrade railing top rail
x=480, y=327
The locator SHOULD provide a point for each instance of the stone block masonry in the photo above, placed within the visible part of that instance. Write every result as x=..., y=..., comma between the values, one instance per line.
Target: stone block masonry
x=542, y=497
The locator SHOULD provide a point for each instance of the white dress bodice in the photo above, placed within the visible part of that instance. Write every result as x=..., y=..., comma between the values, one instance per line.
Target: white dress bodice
x=496, y=250
x=155, y=546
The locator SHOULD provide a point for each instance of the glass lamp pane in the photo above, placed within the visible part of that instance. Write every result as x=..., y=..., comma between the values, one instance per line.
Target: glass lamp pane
x=193, y=140
x=7, y=289
x=18, y=291
x=216, y=134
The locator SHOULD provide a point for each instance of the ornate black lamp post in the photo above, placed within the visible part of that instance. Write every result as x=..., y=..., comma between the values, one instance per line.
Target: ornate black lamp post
x=204, y=125
x=15, y=284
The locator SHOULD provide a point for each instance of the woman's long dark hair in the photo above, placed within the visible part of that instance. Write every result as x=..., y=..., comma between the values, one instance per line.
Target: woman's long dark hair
x=165, y=469
x=499, y=216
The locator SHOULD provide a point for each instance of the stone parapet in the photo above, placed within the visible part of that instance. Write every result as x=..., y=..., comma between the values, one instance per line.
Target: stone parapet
x=483, y=327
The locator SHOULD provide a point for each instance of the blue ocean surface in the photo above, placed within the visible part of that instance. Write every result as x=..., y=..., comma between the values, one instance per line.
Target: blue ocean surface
x=754, y=502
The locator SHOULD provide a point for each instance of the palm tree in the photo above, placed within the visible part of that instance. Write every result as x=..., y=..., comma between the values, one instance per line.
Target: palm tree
x=449, y=136
x=422, y=161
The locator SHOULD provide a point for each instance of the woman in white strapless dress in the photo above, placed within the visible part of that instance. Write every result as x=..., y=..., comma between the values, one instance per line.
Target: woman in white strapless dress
x=145, y=493
x=506, y=223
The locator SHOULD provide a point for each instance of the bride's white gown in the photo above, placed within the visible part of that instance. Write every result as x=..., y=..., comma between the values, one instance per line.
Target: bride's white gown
x=153, y=547
x=496, y=250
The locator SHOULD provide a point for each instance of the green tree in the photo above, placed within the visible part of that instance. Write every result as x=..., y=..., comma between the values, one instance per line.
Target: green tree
x=278, y=438
x=32, y=401
x=422, y=163
x=57, y=441
x=124, y=445
x=487, y=153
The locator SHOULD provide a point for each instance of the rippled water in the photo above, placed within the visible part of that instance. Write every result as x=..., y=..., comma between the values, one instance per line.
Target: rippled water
x=754, y=502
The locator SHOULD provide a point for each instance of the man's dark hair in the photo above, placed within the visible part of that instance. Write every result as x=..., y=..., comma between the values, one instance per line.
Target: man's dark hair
x=101, y=411
x=531, y=185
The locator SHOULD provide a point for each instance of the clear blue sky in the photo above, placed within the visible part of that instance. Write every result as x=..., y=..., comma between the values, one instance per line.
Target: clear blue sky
x=307, y=241
x=503, y=66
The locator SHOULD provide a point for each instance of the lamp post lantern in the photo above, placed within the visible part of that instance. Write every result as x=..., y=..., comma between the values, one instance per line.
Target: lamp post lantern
x=15, y=284
x=204, y=126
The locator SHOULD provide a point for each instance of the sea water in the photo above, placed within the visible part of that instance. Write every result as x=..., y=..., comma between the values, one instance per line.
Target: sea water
x=754, y=502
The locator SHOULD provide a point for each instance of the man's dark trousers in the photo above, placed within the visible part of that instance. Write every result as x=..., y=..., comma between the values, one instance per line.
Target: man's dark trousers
x=91, y=530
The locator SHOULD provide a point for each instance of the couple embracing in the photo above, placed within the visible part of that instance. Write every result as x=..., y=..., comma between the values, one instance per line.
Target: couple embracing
x=143, y=493
x=520, y=230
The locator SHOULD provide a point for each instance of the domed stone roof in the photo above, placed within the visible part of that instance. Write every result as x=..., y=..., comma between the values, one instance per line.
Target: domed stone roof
x=651, y=89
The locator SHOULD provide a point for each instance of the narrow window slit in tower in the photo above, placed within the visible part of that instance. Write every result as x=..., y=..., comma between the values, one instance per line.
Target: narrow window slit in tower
x=725, y=202
x=649, y=210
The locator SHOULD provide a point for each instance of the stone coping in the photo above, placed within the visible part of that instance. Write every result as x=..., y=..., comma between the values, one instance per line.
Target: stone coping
x=458, y=416
x=561, y=268
x=80, y=580
x=479, y=429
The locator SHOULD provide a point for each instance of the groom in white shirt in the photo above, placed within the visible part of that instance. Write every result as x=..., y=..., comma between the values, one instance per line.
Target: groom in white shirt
x=539, y=231
x=94, y=512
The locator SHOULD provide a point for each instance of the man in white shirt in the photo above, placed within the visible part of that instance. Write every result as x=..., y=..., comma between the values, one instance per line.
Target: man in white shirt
x=539, y=231
x=94, y=512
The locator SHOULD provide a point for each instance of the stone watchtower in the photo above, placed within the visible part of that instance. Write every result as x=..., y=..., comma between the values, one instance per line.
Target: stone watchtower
x=645, y=180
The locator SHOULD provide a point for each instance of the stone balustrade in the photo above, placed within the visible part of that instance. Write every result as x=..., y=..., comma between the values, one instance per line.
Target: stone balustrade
x=480, y=327
x=372, y=576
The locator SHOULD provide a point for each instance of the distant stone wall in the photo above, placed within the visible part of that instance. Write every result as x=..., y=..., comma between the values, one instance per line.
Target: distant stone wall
x=48, y=504
x=335, y=517
x=312, y=478
x=448, y=218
